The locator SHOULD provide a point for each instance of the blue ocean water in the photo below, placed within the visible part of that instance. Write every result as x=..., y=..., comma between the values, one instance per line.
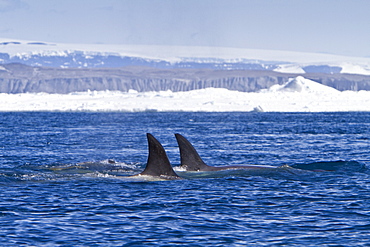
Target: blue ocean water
x=64, y=180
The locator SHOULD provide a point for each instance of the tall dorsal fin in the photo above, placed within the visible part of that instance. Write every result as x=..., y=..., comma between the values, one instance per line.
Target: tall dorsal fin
x=158, y=164
x=190, y=159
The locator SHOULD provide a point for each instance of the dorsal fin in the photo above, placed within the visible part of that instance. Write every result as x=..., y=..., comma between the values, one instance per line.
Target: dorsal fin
x=158, y=164
x=190, y=159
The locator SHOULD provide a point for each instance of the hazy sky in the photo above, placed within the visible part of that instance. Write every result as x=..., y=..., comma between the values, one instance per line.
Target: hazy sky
x=329, y=26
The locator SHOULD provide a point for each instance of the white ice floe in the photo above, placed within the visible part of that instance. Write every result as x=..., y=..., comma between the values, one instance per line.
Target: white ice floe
x=298, y=95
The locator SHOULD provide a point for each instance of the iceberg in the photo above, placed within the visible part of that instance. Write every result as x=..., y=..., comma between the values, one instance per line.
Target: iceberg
x=300, y=84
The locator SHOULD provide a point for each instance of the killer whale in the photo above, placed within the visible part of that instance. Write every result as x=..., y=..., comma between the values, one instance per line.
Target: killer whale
x=157, y=167
x=191, y=160
x=158, y=164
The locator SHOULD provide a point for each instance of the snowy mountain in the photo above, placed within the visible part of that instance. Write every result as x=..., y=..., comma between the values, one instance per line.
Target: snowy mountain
x=40, y=76
x=165, y=57
x=33, y=67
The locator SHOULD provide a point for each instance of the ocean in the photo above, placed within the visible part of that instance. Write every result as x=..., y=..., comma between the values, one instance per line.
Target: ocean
x=65, y=180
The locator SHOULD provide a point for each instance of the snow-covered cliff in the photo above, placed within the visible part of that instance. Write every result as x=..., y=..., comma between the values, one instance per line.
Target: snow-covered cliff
x=19, y=78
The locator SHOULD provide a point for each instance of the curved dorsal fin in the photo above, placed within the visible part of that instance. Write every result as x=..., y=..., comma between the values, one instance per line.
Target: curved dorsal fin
x=158, y=163
x=190, y=159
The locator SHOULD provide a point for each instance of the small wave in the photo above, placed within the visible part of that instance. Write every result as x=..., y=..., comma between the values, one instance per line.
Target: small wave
x=340, y=165
x=58, y=171
x=104, y=166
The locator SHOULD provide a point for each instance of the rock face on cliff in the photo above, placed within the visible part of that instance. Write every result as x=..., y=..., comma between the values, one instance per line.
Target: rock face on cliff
x=19, y=78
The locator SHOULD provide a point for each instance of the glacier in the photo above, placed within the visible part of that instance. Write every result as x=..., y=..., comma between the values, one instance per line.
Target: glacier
x=297, y=95
x=19, y=78
x=42, y=76
x=35, y=53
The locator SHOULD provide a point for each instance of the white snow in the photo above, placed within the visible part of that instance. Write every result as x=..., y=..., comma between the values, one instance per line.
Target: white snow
x=291, y=62
x=350, y=68
x=290, y=68
x=301, y=84
x=298, y=95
